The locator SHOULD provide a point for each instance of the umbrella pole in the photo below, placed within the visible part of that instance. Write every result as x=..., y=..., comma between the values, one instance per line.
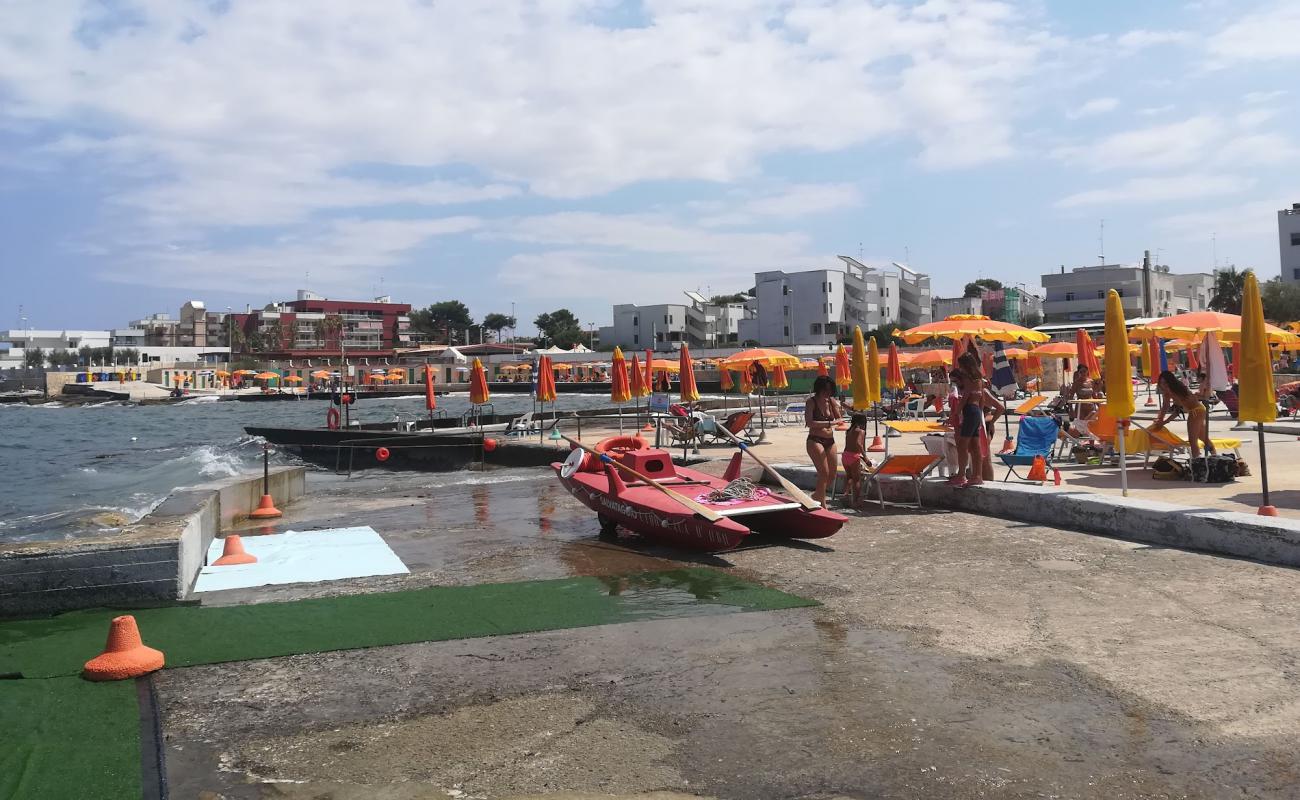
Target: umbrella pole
x=1121, y=434
x=1267, y=508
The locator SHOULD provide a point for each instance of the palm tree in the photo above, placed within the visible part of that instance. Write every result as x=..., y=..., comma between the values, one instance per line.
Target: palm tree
x=1228, y=287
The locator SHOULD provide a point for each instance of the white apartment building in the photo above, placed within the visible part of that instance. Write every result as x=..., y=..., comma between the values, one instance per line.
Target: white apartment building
x=666, y=326
x=822, y=306
x=1146, y=290
x=14, y=344
x=1288, y=242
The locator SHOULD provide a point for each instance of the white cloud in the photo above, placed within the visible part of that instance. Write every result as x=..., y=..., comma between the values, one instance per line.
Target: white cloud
x=789, y=202
x=1141, y=39
x=1269, y=33
x=1153, y=190
x=1167, y=145
x=1095, y=106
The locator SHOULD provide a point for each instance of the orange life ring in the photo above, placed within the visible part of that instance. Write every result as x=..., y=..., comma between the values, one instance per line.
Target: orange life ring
x=620, y=443
x=382, y=453
x=332, y=419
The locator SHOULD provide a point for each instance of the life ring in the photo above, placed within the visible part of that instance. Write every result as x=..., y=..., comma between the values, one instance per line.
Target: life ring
x=382, y=454
x=620, y=444
x=332, y=419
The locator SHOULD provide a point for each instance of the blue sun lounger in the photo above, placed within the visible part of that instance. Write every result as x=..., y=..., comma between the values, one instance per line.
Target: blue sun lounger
x=1037, y=437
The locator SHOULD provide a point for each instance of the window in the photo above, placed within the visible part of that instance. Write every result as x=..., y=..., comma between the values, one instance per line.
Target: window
x=636, y=338
x=1069, y=296
x=1120, y=292
x=636, y=321
x=824, y=311
x=786, y=309
x=1101, y=294
x=830, y=308
x=787, y=331
x=815, y=329
x=1295, y=273
x=665, y=319
x=785, y=288
x=1295, y=239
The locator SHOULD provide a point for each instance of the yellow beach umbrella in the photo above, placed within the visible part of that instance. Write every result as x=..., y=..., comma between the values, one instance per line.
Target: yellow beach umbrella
x=1119, y=382
x=861, y=389
x=1258, y=398
x=873, y=371
x=959, y=326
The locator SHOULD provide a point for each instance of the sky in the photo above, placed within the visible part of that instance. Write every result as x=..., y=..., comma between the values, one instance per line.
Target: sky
x=581, y=153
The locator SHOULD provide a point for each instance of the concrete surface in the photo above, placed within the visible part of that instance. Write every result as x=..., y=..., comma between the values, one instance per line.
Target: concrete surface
x=153, y=560
x=955, y=656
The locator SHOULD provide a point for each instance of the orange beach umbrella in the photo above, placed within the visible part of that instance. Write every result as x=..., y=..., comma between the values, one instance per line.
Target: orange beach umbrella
x=979, y=326
x=893, y=369
x=768, y=357
x=619, y=390
x=779, y=379
x=686, y=385
x=430, y=398
x=478, y=388
x=931, y=358
x=1228, y=327
x=843, y=373
x=821, y=368
x=639, y=387
x=545, y=381
x=1056, y=350
x=724, y=380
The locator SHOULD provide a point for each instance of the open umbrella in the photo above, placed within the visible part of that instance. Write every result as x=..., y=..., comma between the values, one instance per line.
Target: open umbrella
x=1228, y=327
x=619, y=389
x=267, y=376
x=768, y=357
x=976, y=325
x=293, y=379
x=478, y=388
x=930, y=359
x=1258, y=399
x=320, y=373
x=1119, y=382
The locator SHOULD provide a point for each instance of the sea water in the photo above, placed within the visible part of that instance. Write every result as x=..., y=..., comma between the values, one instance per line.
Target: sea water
x=71, y=471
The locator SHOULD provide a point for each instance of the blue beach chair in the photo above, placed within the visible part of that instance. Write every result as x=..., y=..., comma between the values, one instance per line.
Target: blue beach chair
x=1037, y=437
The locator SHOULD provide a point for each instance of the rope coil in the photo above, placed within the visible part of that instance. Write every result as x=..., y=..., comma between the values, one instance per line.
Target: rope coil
x=739, y=489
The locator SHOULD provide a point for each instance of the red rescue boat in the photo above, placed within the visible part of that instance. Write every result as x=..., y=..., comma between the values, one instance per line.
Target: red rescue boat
x=641, y=508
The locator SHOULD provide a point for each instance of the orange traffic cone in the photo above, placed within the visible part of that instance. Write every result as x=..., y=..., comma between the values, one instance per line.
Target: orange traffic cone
x=265, y=509
x=125, y=656
x=1008, y=444
x=877, y=445
x=648, y=427
x=1149, y=402
x=1038, y=471
x=233, y=553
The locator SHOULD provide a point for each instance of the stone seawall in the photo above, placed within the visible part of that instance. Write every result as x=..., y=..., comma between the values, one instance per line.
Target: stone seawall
x=154, y=560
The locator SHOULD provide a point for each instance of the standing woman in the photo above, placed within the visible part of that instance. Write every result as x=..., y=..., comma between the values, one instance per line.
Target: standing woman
x=1174, y=392
x=821, y=413
x=970, y=423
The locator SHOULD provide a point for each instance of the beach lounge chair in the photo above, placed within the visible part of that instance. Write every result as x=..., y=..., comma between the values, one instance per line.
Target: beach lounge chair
x=1163, y=440
x=736, y=423
x=1229, y=399
x=914, y=408
x=793, y=413
x=912, y=467
x=1037, y=437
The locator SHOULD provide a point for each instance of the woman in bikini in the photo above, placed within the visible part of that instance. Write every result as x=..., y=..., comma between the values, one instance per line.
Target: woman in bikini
x=1174, y=392
x=969, y=421
x=821, y=413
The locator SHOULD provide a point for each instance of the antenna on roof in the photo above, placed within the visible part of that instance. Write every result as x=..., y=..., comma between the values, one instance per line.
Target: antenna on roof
x=1101, y=242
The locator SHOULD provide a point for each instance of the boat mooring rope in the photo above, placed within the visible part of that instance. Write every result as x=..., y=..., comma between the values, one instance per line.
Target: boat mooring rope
x=739, y=489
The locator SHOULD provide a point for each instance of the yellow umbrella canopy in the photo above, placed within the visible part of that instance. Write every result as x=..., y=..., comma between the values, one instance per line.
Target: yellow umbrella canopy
x=1227, y=327
x=766, y=356
x=861, y=389
x=321, y=373
x=245, y=372
x=873, y=371
x=1056, y=350
x=981, y=327
x=293, y=379
x=1258, y=398
x=267, y=376
x=1119, y=382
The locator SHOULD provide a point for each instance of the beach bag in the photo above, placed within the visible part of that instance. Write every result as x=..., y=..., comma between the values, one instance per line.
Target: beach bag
x=1214, y=469
x=1167, y=469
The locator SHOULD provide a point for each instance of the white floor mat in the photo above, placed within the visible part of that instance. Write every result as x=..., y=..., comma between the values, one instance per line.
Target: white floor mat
x=303, y=557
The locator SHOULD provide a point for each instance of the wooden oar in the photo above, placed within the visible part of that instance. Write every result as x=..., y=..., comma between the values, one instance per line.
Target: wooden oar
x=794, y=491
x=703, y=511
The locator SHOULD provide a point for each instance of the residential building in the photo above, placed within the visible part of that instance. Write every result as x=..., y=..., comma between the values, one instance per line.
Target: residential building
x=666, y=326
x=1288, y=241
x=1146, y=290
x=15, y=344
x=943, y=307
x=159, y=329
x=822, y=306
x=315, y=326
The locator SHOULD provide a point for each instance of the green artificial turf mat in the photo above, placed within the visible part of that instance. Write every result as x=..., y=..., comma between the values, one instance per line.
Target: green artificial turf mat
x=69, y=738
x=191, y=635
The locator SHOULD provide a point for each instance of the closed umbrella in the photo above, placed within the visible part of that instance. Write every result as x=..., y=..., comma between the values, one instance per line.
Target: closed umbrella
x=779, y=378
x=1212, y=363
x=893, y=369
x=639, y=388
x=1152, y=351
x=1090, y=353
x=1119, y=382
x=861, y=389
x=430, y=399
x=686, y=379
x=478, y=388
x=873, y=390
x=724, y=379
x=821, y=368
x=1257, y=402
x=843, y=374
x=545, y=388
x=619, y=389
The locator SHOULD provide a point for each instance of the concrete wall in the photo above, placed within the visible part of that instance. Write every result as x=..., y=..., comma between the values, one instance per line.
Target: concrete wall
x=155, y=560
x=1272, y=540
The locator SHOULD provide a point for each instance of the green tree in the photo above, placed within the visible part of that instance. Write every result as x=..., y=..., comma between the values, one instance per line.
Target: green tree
x=34, y=357
x=976, y=287
x=439, y=319
x=1031, y=319
x=723, y=299
x=560, y=328
x=1229, y=284
x=331, y=329
x=1281, y=301
x=497, y=323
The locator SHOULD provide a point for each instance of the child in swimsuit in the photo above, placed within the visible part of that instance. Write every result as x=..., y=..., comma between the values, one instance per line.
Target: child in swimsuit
x=855, y=448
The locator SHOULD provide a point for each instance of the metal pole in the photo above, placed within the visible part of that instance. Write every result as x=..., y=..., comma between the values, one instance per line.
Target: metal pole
x=266, y=467
x=1263, y=463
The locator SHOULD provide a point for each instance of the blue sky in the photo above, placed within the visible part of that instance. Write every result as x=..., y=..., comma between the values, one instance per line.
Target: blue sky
x=580, y=153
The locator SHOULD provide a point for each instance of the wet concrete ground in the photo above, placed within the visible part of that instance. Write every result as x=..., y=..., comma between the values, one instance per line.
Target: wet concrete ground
x=954, y=657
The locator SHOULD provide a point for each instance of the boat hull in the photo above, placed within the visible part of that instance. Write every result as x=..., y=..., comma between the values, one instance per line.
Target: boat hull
x=646, y=511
